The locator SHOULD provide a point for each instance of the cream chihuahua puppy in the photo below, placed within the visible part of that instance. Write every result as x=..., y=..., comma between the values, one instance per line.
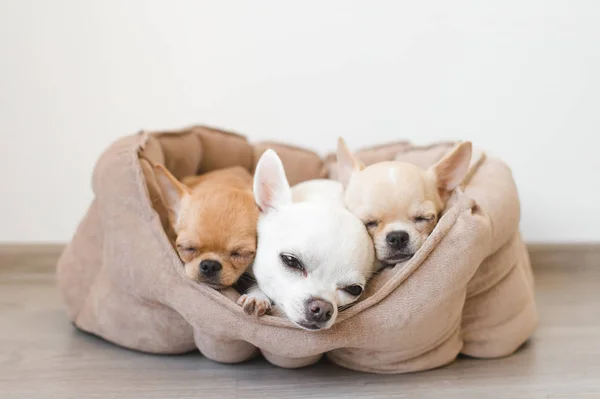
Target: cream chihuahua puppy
x=313, y=255
x=398, y=202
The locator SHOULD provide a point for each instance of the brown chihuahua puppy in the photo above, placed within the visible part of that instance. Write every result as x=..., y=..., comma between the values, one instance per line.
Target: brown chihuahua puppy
x=214, y=217
x=398, y=202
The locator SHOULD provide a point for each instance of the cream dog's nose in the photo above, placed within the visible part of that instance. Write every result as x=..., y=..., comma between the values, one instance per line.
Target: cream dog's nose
x=397, y=239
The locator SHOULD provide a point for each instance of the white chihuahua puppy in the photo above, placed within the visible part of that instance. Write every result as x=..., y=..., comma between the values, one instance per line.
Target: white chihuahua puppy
x=313, y=255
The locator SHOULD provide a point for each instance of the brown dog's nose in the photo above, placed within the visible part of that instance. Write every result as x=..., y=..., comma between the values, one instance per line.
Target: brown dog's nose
x=397, y=239
x=318, y=310
x=210, y=268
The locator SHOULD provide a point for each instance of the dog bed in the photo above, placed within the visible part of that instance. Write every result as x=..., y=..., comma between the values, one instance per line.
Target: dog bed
x=468, y=290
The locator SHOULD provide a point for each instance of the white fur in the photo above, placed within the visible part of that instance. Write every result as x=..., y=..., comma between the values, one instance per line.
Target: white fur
x=333, y=244
x=271, y=187
x=319, y=190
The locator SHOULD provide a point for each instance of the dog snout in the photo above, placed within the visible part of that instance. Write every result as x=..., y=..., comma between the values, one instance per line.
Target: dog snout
x=319, y=310
x=210, y=268
x=397, y=239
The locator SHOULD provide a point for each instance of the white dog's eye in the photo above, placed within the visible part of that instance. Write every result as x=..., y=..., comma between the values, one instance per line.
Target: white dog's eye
x=354, y=290
x=291, y=261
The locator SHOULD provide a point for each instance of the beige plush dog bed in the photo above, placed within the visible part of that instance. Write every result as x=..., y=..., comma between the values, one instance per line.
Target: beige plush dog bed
x=468, y=290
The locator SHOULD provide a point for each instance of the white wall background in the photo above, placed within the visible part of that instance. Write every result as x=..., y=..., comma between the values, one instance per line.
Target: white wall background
x=519, y=78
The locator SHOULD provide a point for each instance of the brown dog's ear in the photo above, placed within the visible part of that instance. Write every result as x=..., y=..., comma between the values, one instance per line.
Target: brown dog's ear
x=172, y=190
x=452, y=168
x=347, y=163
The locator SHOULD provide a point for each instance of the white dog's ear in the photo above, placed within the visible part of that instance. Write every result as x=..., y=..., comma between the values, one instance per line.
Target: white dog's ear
x=271, y=188
x=347, y=163
x=452, y=168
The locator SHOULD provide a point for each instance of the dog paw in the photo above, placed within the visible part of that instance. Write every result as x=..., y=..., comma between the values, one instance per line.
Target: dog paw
x=253, y=305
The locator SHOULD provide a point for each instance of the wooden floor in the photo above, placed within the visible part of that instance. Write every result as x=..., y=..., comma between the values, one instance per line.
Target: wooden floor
x=43, y=356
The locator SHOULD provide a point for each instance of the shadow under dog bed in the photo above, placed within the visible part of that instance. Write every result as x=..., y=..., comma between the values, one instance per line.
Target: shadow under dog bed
x=469, y=289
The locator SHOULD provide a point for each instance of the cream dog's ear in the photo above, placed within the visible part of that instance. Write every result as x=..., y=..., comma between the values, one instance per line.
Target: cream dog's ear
x=271, y=187
x=347, y=163
x=173, y=191
x=450, y=171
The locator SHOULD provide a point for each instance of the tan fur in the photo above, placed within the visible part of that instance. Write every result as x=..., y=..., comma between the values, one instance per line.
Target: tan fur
x=393, y=195
x=214, y=216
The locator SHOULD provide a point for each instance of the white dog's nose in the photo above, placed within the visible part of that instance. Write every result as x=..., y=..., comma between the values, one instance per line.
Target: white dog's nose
x=319, y=310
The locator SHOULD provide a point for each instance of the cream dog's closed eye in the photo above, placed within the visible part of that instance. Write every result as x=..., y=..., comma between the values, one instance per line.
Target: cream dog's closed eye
x=398, y=202
x=313, y=255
